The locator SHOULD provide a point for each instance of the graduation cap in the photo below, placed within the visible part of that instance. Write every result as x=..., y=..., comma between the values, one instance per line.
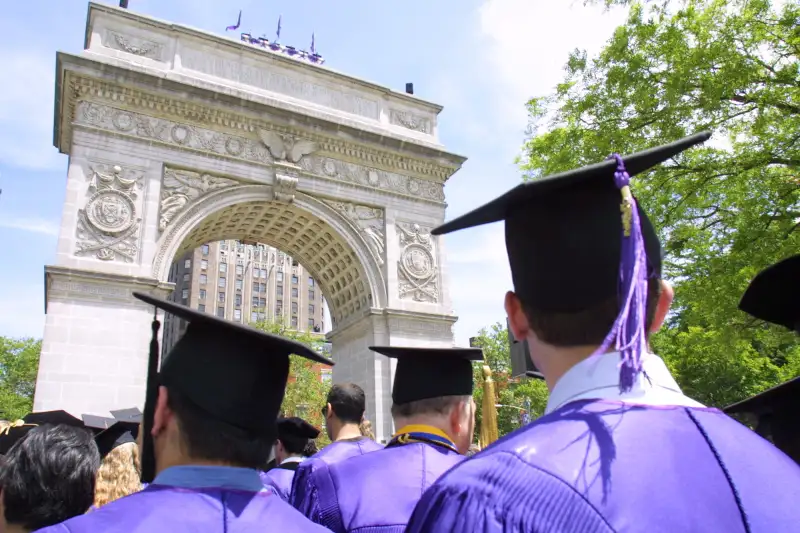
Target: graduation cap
x=97, y=423
x=117, y=434
x=579, y=238
x=424, y=373
x=774, y=294
x=14, y=432
x=296, y=428
x=534, y=374
x=132, y=414
x=234, y=373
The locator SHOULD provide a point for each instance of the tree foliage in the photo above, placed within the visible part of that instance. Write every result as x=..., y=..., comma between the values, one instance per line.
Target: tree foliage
x=724, y=211
x=19, y=362
x=514, y=396
x=305, y=392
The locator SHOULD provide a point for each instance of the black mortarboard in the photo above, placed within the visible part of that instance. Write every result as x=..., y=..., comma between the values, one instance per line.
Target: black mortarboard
x=234, y=373
x=424, y=373
x=117, y=434
x=53, y=417
x=296, y=428
x=774, y=294
x=131, y=414
x=534, y=374
x=97, y=424
x=579, y=238
x=13, y=433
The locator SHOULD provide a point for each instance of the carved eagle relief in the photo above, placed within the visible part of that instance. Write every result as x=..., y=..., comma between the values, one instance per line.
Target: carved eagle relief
x=285, y=147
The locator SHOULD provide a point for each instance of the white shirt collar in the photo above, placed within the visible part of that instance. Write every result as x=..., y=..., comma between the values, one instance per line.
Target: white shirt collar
x=293, y=459
x=597, y=378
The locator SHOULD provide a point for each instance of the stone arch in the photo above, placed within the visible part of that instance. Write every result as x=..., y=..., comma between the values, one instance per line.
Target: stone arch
x=308, y=229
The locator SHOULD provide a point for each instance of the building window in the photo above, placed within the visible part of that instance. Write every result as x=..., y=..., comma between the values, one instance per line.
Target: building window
x=311, y=294
x=262, y=316
x=237, y=315
x=310, y=309
x=262, y=302
x=294, y=292
x=223, y=267
x=294, y=308
x=294, y=279
x=223, y=245
x=221, y=283
x=253, y=317
x=203, y=279
x=202, y=294
x=187, y=263
x=238, y=284
x=204, y=248
x=185, y=294
x=239, y=270
x=221, y=312
x=310, y=281
x=279, y=289
x=255, y=301
x=311, y=324
x=278, y=307
x=238, y=300
x=263, y=273
x=262, y=287
x=221, y=296
x=294, y=322
x=255, y=272
x=204, y=264
x=186, y=277
x=279, y=276
x=201, y=308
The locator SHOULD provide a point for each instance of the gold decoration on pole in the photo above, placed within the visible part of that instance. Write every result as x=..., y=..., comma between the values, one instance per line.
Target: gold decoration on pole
x=488, y=430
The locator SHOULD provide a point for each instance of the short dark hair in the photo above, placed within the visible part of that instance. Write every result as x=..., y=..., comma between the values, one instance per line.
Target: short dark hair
x=49, y=476
x=205, y=438
x=588, y=327
x=348, y=402
x=430, y=406
x=294, y=445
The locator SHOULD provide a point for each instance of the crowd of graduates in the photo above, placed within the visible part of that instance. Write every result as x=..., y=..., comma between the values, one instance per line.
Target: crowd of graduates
x=619, y=449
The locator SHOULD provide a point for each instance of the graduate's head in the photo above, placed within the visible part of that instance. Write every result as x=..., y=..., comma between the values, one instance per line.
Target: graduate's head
x=585, y=262
x=47, y=476
x=294, y=434
x=120, y=469
x=344, y=406
x=217, y=396
x=433, y=386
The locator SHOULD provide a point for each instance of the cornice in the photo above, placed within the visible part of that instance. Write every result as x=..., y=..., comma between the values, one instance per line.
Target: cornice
x=345, y=143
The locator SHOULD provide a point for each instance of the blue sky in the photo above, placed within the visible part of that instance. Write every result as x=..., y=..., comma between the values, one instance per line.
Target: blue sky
x=480, y=59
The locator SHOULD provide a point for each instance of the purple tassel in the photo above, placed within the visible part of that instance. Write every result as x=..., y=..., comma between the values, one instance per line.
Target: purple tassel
x=628, y=332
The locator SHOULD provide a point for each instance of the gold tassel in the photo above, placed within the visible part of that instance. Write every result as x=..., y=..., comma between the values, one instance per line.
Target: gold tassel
x=626, y=208
x=488, y=431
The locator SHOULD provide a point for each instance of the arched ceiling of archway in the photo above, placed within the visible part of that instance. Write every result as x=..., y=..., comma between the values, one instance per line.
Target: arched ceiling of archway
x=307, y=238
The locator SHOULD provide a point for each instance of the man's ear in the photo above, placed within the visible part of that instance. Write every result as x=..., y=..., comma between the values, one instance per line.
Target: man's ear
x=329, y=412
x=163, y=414
x=517, y=321
x=663, y=305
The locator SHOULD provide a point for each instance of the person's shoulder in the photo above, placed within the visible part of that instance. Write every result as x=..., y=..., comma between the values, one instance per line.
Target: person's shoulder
x=111, y=516
x=283, y=517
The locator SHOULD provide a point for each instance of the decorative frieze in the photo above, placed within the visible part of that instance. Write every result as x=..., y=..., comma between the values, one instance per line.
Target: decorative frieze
x=368, y=221
x=108, y=226
x=132, y=45
x=103, y=93
x=417, y=272
x=286, y=147
x=179, y=188
x=410, y=121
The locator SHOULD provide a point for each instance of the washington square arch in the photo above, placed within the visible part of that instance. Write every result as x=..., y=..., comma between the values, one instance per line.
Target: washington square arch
x=177, y=138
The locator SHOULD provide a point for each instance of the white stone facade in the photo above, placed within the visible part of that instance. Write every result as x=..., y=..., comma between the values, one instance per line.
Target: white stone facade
x=177, y=138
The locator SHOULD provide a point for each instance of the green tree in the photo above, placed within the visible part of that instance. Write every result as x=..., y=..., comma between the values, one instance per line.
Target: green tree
x=19, y=362
x=513, y=395
x=305, y=392
x=724, y=211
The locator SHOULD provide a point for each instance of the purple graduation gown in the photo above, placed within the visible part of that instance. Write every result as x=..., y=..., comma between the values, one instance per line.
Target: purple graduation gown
x=332, y=453
x=377, y=491
x=280, y=478
x=598, y=466
x=178, y=509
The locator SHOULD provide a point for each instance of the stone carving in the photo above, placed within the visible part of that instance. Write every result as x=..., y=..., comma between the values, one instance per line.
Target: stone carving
x=107, y=226
x=416, y=271
x=89, y=288
x=369, y=221
x=286, y=147
x=133, y=45
x=172, y=132
x=374, y=178
x=181, y=187
x=284, y=188
x=410, y=121
x=275, y=79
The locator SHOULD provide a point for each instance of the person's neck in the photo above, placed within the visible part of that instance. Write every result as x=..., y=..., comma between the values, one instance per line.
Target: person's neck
x=14, y=528
x=422, y=420
x=347, y=431
x=554, y=361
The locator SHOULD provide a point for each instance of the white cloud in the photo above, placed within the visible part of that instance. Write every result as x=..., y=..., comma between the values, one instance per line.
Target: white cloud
x=26, y=110
x=33, y=225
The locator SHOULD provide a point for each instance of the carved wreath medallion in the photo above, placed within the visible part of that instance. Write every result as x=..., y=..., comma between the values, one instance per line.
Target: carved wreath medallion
x=111, y=212
x=417, y=262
